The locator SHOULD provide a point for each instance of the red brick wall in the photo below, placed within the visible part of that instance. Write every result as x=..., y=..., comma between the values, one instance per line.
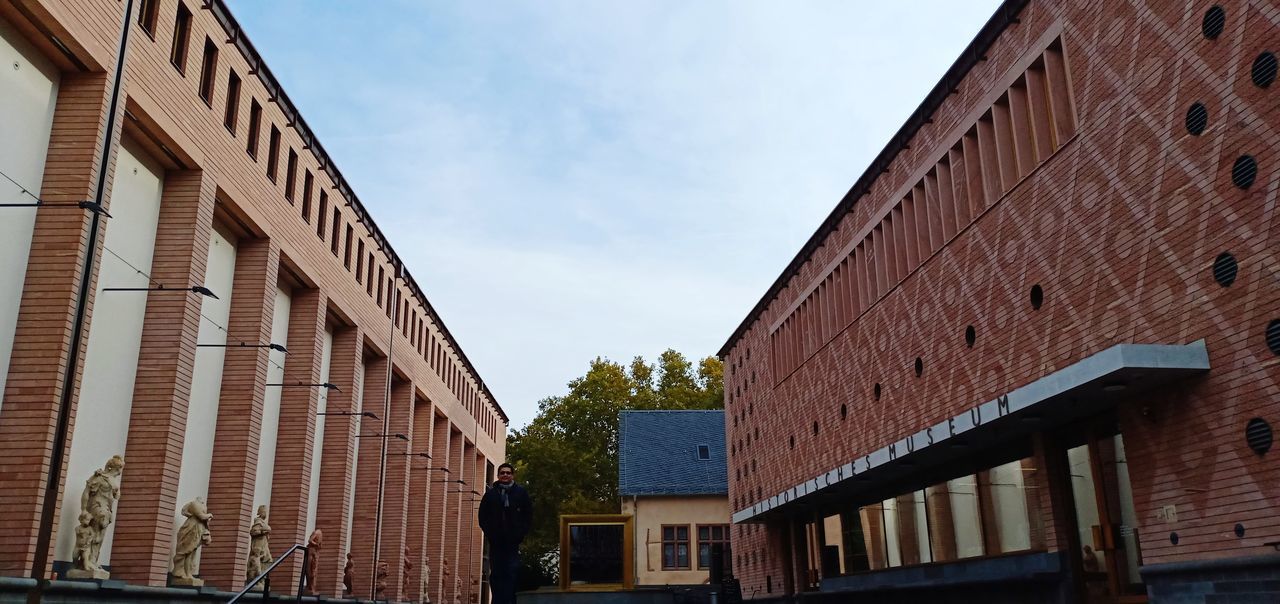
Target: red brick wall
x=164, y=110
x=1119, y=226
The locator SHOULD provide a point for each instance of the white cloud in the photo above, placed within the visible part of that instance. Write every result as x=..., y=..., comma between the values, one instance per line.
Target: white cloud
x=573, y=179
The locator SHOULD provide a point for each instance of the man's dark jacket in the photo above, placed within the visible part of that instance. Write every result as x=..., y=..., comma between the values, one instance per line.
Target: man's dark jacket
x=506, y=525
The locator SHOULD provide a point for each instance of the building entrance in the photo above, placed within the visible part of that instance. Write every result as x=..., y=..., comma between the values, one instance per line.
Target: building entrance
x=1106, y=521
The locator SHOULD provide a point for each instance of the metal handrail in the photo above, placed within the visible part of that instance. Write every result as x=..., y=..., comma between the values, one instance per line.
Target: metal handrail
x=266, y=588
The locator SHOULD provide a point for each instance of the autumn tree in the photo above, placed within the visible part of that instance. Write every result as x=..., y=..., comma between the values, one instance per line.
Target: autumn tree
x=568, y=455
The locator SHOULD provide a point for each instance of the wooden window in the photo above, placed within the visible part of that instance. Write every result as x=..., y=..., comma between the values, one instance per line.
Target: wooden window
x=359, y=261
x=308, y=182
x=255, y=128
x=147, y=16
x=181, y=39
x=708, y=535
x=675, y=547
x=346, y=255
x=322, y=214
x=290, y=175
x=231, y=117
x=336, y=230
x=381, y=276
x=273, y=153
x=208, y=66
x=368, y=280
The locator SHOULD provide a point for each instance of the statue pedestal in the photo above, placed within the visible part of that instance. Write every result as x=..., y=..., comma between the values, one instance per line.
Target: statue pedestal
x=183, y=582
x=81, y=574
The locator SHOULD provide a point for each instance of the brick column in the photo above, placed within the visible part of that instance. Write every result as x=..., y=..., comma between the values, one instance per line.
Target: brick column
x=942, y=532
x=452, y=542
x=419, y=496
x=291, y=476
x=42, y=341
x=395, y=506
x=438, y=506
x=337, y=458
x=158, y=420
x=235, y=449
x=367, y=467
x=472, y=520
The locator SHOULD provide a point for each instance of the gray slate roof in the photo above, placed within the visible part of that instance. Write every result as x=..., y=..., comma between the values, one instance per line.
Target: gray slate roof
x=658, y=453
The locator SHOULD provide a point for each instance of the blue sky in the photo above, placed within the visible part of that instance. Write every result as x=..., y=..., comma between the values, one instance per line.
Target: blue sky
x=568, y=180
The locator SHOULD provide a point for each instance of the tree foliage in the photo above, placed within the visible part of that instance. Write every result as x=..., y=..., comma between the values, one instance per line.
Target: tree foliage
x=568, y=455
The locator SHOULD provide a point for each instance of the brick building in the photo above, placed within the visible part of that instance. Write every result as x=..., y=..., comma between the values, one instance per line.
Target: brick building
x=1032, y=355
x=213, y=180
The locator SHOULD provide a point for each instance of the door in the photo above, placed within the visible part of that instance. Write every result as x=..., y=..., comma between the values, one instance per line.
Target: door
x=1105, y=517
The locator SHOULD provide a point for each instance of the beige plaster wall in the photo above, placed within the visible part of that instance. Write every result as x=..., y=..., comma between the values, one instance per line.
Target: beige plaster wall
x=651, y=513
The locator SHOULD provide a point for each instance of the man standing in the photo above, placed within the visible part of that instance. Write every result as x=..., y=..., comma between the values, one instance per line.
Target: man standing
x=506, y=513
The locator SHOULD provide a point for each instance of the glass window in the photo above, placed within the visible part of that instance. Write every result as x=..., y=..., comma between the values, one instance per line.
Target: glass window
x=709, y=534
x=965, y=517
x=1009, y=507
x=675, y=547
x=181, y=39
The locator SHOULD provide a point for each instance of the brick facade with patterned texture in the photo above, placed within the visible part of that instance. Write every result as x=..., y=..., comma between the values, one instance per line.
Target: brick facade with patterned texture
x=1099, y=197
x=215, y=176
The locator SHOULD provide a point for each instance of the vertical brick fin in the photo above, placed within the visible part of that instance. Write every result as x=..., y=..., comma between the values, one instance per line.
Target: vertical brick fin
x=419, y=496
x=235, y=449
x=291, y=479
x=42, y=341
x=337, y=459
x=157, y=422
x=473, y=523
x=363, y=525
x=396, y=499
x=438, y=505
x=453, y=510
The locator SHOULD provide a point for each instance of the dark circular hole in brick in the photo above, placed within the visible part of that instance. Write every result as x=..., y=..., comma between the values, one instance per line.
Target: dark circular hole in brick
x=1225, y=269
x=1273, y=336
x=757, y=432
x=1244, y=171
x=1214, y=20
x=1197, y=119
x=919, y=366
x=1239, y=530
x=793, y=442
x=876, y=391
x=844, y=411
x=1264, y=69
x=815, y=428
x=970, y=336
x=1037, y=296
x=1258, y=435
x=1173, y=538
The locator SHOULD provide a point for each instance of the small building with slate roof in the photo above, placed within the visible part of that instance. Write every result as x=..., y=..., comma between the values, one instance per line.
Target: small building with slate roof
x=673, y=477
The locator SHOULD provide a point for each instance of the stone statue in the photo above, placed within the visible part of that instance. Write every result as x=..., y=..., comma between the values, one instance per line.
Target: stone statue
x=193, y=535
x=259, y=548
x=426, y=579
x=348, y=574
x=314, y=545
x=408, y=569
x=97, y=501
x=380, y=579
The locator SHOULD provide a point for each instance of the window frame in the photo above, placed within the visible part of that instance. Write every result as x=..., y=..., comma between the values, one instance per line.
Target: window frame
x=231, y=112
x=711, y=540
x=181, y=46
x=674, y=542
x=148, y=11
x=208, y=71
x=273, y=154
x=255, y=128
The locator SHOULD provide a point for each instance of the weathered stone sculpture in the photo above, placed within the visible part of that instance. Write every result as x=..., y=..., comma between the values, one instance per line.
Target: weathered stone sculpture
x=97, y=502
x=259, y=547
x=193, y=535
x=314, y=545
x=426, y=579
x=404, y=578
x=380, y=580
x=348, y=574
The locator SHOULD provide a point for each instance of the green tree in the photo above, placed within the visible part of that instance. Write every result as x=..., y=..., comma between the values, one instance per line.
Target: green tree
x=568, y=455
